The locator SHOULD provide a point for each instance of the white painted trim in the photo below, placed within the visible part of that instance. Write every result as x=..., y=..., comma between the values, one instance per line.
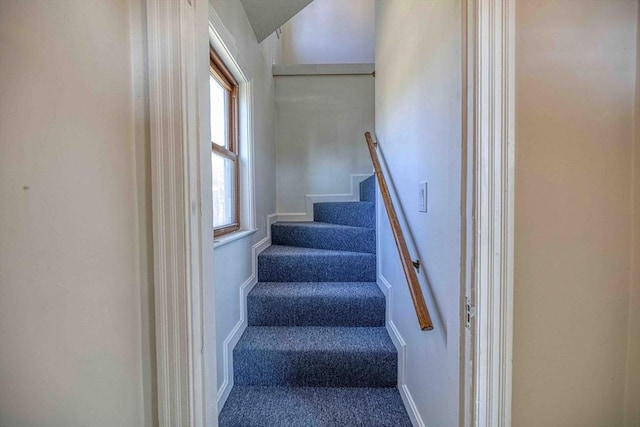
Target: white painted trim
x=183, y=241
x=494, y=140
x=236, y=333
x=294, y=216
x=310, y=199
x=410, y=405
x=322, y=69
x=232, y=237
x=401, y=347
x=466, y=406
x=225, y=46
x=352, y=196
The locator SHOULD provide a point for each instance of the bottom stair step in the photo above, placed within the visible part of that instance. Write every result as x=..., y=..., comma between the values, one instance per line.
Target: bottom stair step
x=313, y=407
x=315, y=357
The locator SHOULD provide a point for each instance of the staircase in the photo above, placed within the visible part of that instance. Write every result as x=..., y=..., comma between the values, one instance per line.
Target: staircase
x=316, y=351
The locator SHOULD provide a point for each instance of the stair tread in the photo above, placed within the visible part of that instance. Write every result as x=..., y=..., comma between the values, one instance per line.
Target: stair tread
x=316, y=304
x=322, y=225
x=316, y=338
x=280, y=263
x=320, y=289
x=313, y=407
x=297, y=250
x=321, y=235
x=359, y=214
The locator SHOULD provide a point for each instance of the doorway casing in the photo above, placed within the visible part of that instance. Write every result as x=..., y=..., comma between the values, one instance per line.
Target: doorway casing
x=178, y=43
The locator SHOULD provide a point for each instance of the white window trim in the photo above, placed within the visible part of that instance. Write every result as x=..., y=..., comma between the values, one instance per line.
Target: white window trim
x=225, y=46
x=232, y=237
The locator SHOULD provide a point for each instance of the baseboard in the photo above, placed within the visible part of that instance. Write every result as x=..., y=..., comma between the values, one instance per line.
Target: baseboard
x=411, y=407
x=401, y=347
x=234, y=336
x=310, y=199
x=294, y=216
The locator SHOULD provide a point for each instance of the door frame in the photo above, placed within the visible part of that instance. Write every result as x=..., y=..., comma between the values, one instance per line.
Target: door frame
x=490, y=136
x=178, y=45
x=178, y=59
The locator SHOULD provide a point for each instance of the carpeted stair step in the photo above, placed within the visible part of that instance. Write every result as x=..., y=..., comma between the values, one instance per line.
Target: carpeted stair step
x=315, y=356
x=316, y=304
x=294, y=264
x=314, y=407
x=321, y=235
x=357, y=214
x=368, y=189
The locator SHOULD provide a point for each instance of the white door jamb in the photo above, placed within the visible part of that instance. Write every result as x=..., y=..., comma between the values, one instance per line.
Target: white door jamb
x=177, y=40
x=493, y=143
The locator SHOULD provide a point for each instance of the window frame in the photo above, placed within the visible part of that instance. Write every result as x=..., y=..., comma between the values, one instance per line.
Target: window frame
x=221, y=73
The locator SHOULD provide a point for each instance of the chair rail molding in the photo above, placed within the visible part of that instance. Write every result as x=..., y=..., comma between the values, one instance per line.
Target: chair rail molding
x=177, y=43
x=493, y=141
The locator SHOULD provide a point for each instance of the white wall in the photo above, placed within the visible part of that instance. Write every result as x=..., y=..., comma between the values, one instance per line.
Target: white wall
x=330, y=32
x=418, y=124
x=321, y=121
x=74, y=225
x=233, y=261
x=575, y=84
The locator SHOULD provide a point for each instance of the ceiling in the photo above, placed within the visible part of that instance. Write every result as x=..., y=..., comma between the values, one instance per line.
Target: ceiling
x=266, y=16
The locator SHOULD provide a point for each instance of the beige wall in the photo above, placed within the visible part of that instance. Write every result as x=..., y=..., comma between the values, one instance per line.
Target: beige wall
x=632, y=390
x=575, y=83
x=74, y=350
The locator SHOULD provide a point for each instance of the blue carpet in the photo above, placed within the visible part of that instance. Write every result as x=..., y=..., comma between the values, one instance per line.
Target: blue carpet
x=321, y=235
x=368, y=189
x=313, y=407
x=295, y=264
x=315, y=356
x=316, y=304
x=357, y=214
x=316, y=352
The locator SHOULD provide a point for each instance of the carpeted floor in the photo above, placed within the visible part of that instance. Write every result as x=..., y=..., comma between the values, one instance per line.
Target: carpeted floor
x=316, y=352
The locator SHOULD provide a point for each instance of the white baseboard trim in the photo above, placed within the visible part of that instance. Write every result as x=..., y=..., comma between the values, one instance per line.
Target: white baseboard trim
x=352, y=196
x=294, y=216
x=310, y=199
x=411, y=407
x=401, y=347
x=234, y=336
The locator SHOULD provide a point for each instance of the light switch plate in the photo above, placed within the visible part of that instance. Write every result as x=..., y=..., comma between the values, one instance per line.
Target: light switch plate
x=423, y=197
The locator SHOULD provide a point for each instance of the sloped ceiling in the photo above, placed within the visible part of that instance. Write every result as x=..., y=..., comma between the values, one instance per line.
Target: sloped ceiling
x=266, y=16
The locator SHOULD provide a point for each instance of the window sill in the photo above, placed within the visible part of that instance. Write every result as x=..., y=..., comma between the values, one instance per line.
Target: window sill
x=231, y=237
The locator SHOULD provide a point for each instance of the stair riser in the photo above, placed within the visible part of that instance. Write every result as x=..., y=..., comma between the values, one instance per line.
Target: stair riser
x=356, y=214
x=315, y=369
x=368, y=190
x=315, y=311
x=349, y=239
x=320, y=268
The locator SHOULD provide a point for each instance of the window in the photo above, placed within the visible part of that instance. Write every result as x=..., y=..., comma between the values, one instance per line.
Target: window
x=224, y=147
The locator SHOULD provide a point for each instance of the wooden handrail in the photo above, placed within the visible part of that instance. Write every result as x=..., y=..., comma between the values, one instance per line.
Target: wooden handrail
x=424, y=319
